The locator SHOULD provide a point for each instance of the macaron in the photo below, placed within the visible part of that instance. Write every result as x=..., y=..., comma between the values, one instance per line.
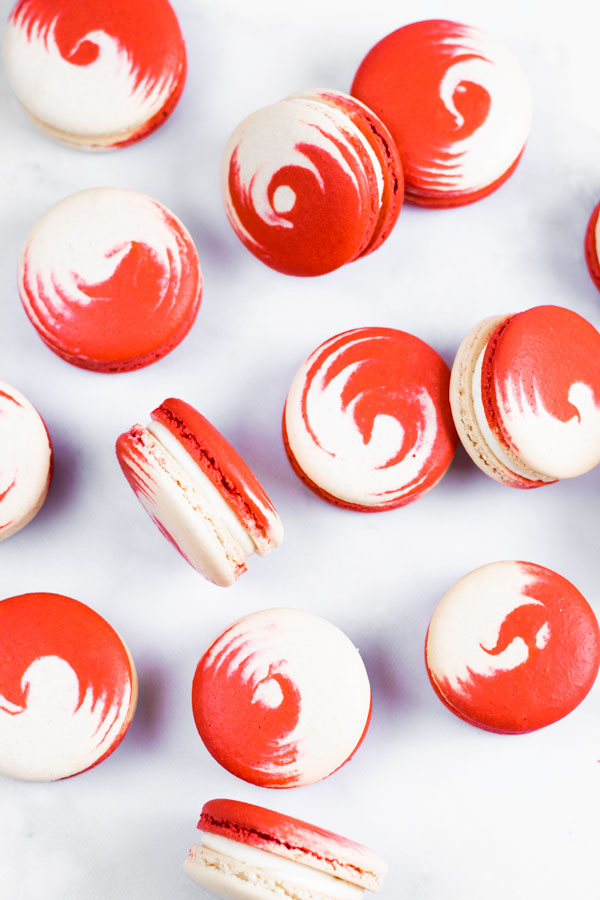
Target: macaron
x=95, y=74
x=367, y=422
x=512, y=647
x=525, y=396
x=252, y=853
x=281, y=698
x=312, y=182
x=110, y=279
x=457, y=104
x=592, y=256
x=25, y=461
x=68, y=687
x=198, y=491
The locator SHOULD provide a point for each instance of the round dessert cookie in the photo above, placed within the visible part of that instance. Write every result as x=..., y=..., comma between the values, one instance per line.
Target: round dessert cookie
x=512, y=647
x=96, y=74
x=281, y=698
x=68, y=687
x=199, y=491
x=525, y=396
x=252, y=853
x=592, y=243
x=110, y=279
x=456, y=102
x=25, y=461
x=367, y=422
x=312, y=182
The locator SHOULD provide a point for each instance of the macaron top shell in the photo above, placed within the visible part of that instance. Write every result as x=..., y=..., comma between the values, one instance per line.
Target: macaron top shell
x=98, y=73
x=293, y=839
x=311, y=182
x=456, y=102
x=367, y=421
x=68, y=687
x=110, y=279
x=513, y=647
x=25, y=461
x=541, y=389
x=281, y=698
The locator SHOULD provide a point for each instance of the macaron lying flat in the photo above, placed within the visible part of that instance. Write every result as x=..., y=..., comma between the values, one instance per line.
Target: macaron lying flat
x=95, y=74
x=592, y=245
x=312, y=182
x=367, y=422
x=512, y=647
x=25, y=461
x=252, y=853
x=68, y=687
x=457, y=104
x=110, y=279
x=199, y=491
x=525, y=396
x=281, y=698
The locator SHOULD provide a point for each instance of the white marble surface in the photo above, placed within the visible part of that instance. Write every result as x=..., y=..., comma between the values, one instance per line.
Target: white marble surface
x=458, y=813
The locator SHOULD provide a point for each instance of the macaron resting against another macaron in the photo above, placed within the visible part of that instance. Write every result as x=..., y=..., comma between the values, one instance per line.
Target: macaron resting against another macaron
x=199, y=491
x=512, y=647
x=110, y=279
x=25, y=461
x=457, y=104
x=96, y=74
x=252, y=853
x=525, y=395
x=68, y=687
x=281, y=698
x=367, y=422
x=312, y=182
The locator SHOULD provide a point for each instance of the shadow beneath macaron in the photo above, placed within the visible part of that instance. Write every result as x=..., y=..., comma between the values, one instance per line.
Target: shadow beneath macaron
x=66, y=475
x=150, y=715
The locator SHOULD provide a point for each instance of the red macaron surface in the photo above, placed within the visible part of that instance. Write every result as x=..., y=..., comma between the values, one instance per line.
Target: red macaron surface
x=293, y=839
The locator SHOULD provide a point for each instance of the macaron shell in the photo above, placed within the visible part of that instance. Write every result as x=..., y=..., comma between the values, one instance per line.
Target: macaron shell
x=99, y=74
x=68, y=687
x=544, y=390
x=367, y=421
x=294, y=839
x=26, y=461
x=177, y=507
x=110, y=279
x=281, y=698
x=457, y=104
x=300, y=184
x=226, y=470
x=591, y=246
x=513, y=647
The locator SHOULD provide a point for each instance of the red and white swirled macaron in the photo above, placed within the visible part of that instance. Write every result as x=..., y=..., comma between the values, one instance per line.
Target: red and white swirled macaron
x=25, y=461
x=312, y=182
x=525, y=395
x=281, y=698
x=110, y=279
x=456, y=102
x=95, y=74
x=512, y=647
x=68, y=687
x=367, y=422
x=252, y=853
x=199, y=491
x=592, y=245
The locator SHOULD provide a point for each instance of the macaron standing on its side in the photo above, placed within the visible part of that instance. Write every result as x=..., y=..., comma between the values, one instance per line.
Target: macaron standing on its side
x=281, y=698
x=592, y=245
x=110, y=279
x=512, y=647
x=25, y=461
x=457, y=104
x=312, y=182
x=68, y=687
x=367, y=422
x=525, y=396
x=199, y=491
x=252, y=853
x=95, y=74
